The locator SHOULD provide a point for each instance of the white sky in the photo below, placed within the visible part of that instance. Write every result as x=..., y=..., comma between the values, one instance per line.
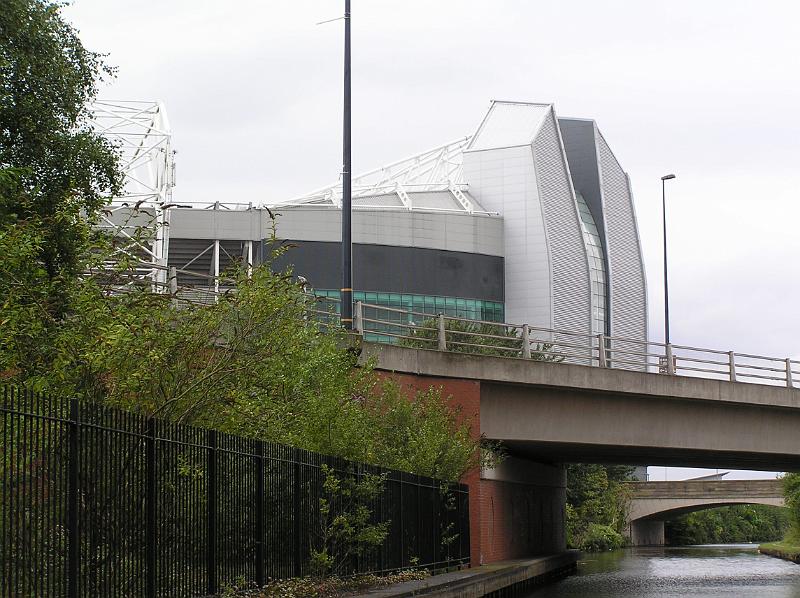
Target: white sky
x=708, y=90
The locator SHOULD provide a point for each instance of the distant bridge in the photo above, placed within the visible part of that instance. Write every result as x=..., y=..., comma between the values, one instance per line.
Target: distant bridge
x=653, y=503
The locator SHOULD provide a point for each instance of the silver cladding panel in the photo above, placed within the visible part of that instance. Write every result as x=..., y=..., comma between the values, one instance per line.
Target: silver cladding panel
x=570, y=269
x=627, y=276
x=470, y=233
x=504, y=180
x=195, y=223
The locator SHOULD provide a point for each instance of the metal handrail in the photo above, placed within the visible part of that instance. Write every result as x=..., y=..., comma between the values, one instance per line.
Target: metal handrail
x=597, y=349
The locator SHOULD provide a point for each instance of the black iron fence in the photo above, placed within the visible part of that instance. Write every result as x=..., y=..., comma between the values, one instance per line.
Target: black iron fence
x=95, y=501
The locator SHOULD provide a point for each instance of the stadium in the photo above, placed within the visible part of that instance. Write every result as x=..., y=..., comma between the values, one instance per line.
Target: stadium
x=530, y=219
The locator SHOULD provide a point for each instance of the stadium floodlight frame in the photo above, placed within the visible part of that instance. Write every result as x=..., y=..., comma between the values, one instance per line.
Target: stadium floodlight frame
x=437, y=169
x=141, y=133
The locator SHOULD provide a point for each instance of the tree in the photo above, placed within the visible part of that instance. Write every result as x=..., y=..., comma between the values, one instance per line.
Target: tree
x=791, y=492
x=64, y=171
x=726, y=525
x=252, y=363
x=596, y=505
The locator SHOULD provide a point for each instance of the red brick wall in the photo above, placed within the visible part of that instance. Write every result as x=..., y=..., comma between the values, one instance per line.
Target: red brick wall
x=507, y=520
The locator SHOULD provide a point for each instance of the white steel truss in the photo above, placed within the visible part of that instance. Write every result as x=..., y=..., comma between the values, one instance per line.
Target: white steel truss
x=141, y=133
x=438, y=169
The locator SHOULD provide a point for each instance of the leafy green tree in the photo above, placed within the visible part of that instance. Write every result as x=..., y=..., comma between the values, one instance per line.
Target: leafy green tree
x=345, y=527
x=597, y=503
x=791, y=492
x=55, y=175
x=422, y=434
x=252, y=363
x=65, y=170
x=725, y=525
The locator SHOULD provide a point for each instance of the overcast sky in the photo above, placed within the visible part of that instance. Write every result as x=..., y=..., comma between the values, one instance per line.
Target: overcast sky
x=708, y=90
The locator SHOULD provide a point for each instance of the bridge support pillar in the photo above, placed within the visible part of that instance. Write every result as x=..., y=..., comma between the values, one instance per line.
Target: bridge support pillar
x=516, y=510
x=523, y=507
x=647, y=532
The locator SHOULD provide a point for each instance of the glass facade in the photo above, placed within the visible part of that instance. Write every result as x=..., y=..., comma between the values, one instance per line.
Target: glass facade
x=597, y=267
x=472, y=309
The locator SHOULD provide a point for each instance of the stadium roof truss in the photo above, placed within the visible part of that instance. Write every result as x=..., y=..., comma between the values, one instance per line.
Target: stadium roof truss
x=141, y=133
x=437, y=169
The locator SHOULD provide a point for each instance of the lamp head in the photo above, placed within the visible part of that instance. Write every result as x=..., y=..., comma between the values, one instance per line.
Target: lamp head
x=667, y=177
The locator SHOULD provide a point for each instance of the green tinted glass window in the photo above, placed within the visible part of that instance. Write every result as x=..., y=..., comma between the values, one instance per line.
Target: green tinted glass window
x=430, y=305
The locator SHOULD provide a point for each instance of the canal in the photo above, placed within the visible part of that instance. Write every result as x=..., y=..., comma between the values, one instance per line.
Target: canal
x=710, y=571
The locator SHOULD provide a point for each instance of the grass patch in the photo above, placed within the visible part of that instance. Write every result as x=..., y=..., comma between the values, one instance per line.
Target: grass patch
x=789, y=551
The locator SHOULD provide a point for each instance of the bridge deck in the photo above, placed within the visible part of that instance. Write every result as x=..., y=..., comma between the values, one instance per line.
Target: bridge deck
x=559, y=412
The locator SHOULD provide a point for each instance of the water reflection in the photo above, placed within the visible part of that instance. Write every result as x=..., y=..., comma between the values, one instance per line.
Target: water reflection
x=710, y=571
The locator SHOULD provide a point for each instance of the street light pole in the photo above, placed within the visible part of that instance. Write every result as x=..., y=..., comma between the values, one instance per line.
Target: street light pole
x=664, y=180
x=347, y=241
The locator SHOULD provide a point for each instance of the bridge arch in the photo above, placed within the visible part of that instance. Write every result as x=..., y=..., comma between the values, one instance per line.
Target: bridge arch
x=645, y=512
x=653, y=503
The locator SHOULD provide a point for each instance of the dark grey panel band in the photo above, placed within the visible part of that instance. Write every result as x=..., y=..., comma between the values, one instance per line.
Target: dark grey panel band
x=385, y=268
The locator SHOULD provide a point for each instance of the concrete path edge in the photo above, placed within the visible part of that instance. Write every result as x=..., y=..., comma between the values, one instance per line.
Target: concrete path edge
x=481, y=581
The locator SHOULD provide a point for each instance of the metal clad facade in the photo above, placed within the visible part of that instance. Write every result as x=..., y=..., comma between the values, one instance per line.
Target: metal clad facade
x=570, y=269
x=504, y=180
x=449, y=231
x=627, y=277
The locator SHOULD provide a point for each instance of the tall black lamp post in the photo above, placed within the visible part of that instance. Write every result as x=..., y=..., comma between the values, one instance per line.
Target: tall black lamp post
x=347, y=241
x=664, y=180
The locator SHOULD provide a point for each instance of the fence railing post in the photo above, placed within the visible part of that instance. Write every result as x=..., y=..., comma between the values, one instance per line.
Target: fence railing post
x=296, y=504
x=402, y=525
x=211, y=488
x=358, y=318
x=173, y=280
x=73, y=519
x=732, y=365
x=441, y=335
x=150, y=509
x=789, y=373
x=602, y=358
x=526, y=341
x=670, y=361
x=419, y=543
x=259, y=532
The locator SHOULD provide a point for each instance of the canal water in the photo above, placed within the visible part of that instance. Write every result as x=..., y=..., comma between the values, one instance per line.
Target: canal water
x=714, y=571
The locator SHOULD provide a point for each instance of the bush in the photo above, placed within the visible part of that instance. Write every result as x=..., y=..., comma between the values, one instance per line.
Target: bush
x=595, y=497
x=465, y=336
x=791, y=491
x=601, y=537
x=728, y=525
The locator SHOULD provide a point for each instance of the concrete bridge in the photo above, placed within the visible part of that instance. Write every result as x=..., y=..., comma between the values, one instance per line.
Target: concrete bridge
x=653, y=503
x=547, y=414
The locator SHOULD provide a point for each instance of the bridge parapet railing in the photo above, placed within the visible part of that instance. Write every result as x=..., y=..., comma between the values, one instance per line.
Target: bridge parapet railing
x=442, y=332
